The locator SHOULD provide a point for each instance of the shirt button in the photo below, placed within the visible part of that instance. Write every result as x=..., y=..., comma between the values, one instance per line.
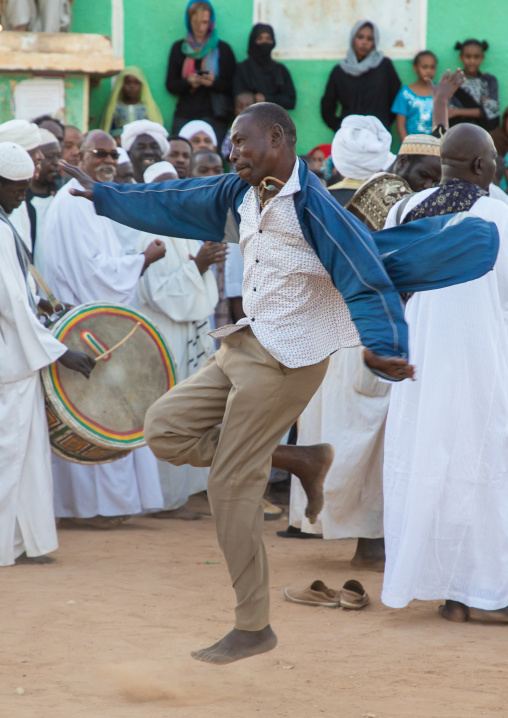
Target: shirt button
x=257, y=261
x=260, y=231
x=253, y=319
x=254, y=289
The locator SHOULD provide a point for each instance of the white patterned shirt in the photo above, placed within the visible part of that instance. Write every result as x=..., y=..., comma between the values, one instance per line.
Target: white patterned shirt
x=291, y=304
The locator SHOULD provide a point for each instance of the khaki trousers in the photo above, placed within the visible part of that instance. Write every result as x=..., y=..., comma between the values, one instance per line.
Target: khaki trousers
x=256, y=399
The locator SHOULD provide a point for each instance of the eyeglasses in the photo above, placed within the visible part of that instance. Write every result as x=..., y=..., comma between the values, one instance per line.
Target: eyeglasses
x=102, y=154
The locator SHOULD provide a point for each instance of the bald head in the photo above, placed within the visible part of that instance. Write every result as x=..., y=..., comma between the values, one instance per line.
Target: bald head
x=98, y=156
x=468, y=153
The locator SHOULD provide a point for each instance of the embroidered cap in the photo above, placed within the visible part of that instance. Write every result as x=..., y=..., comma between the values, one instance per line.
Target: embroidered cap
x=15, y=162
x=421, y=145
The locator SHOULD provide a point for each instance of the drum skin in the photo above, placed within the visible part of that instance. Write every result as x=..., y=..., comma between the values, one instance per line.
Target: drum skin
x=100, y=419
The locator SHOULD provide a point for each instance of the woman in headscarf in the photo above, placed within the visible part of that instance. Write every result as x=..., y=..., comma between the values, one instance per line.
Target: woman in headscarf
x=129, y=101
x=200, y=71
x=269, y=81
x=365, y=83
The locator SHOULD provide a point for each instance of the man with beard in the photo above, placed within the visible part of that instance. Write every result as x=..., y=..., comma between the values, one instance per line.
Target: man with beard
x=85, y=262
x=146, y=142
x=41, y=193
x=180, y=153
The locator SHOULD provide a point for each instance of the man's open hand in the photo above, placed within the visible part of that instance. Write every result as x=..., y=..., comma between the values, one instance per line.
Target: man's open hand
x=83, y=179
x=394, y=367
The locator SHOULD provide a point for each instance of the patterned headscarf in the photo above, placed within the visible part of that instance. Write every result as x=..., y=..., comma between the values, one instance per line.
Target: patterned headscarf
x=206, y=51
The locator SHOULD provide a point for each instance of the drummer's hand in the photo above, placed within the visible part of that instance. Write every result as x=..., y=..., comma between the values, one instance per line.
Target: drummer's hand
x=45, y=306
x=394, y=367
x=83, y=179
x=78, y=361
x=155, y=251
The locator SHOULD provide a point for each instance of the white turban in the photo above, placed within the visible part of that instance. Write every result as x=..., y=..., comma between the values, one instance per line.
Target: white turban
x=47, y=137
x=123, y=157
x=133, y=130
x=361, y=147
x=15, y=162
x=156, y=170
x=26, y=134
x=194, y=126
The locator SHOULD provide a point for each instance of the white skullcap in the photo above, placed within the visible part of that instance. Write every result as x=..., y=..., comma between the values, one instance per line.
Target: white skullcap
x=47, y=137
x=26, y=134
x=123, y=157
x=156, y=170
x=194, y=126
x=133, y=130
x=361, y=147
x=15, y=162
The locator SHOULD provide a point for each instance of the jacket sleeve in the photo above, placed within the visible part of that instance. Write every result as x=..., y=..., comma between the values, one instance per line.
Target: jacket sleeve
x=174, y=80
x=227, y=67
x=348, y=252
x=286, y=98
x=329, y=103
x=190, y=208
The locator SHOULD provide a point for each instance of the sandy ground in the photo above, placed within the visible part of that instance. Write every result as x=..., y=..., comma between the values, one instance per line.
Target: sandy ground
x=106, y=633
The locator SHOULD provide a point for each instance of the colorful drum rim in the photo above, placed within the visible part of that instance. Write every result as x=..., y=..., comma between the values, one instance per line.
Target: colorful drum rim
x=68, y=413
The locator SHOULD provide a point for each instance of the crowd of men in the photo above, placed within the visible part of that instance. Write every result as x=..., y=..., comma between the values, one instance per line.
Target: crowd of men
x=255, y=328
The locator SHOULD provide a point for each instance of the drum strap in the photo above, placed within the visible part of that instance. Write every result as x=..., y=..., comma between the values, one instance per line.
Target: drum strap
x=47, y=291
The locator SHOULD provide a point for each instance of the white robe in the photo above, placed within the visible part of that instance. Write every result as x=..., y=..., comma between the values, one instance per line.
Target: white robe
x=26, y=503
x=446, y=450
x=41, y=206
x=178, y=299
x=348, y=411
x=84, y=262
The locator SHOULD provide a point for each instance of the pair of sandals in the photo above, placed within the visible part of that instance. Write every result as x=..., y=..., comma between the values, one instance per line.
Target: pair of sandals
x=352, y=595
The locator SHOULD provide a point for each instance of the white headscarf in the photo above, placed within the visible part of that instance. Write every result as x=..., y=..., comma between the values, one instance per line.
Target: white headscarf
x=157, y=169
x=123, y=157
x=194, y=126
x=351, y=65
x=133, y=130
x=15, y=162
x=47, y=137
x=26, y=134
x=361, y=147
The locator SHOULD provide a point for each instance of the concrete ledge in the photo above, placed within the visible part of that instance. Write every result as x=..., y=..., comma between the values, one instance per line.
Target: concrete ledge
x=58, y=53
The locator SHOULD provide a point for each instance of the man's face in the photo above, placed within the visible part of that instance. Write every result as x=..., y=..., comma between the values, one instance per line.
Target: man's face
x=180, y=157
x=201, y=141
x=206, y=165
x=49, y=170
x=70, y=146
x=12, y=194
x=125, y=173
x=144, y=152
x=252, y=152
x=54, y=128
x=422, y=173
x=99, y=159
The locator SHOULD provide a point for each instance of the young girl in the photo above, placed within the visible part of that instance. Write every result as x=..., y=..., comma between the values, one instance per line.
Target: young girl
x=130, y=100
x=477, y=101
x=413, y=104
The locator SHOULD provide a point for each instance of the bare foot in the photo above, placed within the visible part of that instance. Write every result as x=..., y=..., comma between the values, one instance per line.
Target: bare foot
x=370, y=554
x=180, y=513
x=237, y=645
x=24, y=559
x=100, y=522
x=454, y=611
x=310, y=464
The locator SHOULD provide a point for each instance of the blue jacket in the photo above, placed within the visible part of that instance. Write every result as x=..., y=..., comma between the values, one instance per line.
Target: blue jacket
x=369, y=269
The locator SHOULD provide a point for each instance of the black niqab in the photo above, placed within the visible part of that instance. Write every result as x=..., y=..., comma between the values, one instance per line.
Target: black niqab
x=261, y=53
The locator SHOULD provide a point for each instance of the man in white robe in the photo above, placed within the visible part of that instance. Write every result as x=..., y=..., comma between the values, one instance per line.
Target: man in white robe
x=27, y=524
x=446, y=451
x=84, y=262
x=179, y=293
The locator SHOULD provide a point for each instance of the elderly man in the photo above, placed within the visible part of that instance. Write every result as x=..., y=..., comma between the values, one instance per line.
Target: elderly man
x=146, y=142
x=180, y=153
x=446, y=498
x=27, y=524
x=84, y=262
x=313, y=282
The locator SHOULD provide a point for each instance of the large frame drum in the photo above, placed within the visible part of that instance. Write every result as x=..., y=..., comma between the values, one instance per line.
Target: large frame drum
x=100, y=419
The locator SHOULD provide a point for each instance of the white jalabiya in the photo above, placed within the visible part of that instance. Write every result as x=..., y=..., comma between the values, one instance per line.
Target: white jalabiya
x=446, y=450
x=84, y=262
x=348, y=411
x=26, y=503
x=179, y=300
x=41, y=206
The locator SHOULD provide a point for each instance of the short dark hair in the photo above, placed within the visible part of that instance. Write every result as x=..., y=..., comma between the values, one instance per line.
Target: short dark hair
x=203, y=152
x=268, y=114
x=174, y=138
x=46, y=118
x=482, y=44
x=423, y=53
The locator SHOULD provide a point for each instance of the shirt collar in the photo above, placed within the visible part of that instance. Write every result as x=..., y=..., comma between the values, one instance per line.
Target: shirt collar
x=292, y=186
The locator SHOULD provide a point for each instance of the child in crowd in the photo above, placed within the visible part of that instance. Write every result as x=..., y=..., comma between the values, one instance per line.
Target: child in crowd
x=130, y=100
x=477, y=101
x=413, y=104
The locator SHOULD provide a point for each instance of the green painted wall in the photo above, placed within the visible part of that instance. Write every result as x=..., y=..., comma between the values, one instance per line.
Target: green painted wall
x=152, y=26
